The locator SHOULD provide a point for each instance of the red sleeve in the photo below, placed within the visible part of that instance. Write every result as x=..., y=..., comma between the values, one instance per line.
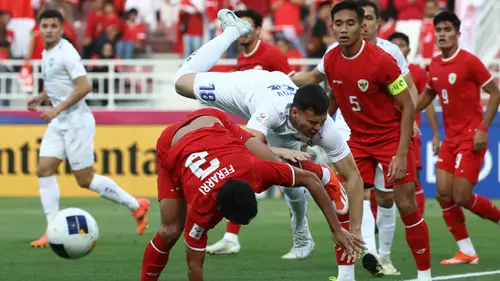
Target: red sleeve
x=477, y=71
x=390, y=72
x=226, y=122
x=273, y=173
x=280, y=62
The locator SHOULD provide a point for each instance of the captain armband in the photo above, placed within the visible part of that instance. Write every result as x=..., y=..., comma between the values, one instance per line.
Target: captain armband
x=397, y=86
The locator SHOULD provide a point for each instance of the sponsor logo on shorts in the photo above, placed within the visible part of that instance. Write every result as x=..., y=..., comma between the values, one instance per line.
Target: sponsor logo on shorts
x=196, y=231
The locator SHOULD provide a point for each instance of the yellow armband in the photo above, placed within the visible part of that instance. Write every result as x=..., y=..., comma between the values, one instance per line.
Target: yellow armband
x=397, y=86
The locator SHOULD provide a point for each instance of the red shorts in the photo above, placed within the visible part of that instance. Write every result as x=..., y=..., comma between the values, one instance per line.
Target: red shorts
x=417, y=152
x=166, y=187
x=368, y=156
x=457, y=157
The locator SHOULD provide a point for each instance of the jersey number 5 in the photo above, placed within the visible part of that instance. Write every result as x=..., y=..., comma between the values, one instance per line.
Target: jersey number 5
x=195, y=160
x=355, y=104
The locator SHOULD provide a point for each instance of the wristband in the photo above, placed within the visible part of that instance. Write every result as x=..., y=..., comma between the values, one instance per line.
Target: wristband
x=482, y=128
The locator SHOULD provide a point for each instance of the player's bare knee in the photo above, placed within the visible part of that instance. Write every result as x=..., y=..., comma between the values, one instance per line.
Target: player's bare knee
x=47, y=166
x=45, y=171
x=384, y=199
x=461, y=196
x=184, y=85
x=443, y=197
x=84, y=177
x=171, y=232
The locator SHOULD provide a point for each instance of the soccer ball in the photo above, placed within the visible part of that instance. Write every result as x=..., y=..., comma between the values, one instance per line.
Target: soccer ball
x=72, y=233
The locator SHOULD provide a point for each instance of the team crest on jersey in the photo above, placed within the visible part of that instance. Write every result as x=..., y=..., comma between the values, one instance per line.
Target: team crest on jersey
x=259, y=67
x=452, y=78
x=363, y=85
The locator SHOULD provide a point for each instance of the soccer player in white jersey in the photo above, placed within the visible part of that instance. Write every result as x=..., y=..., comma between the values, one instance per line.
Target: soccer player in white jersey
x=377, y=262
x=275, y=113
x=71, y=128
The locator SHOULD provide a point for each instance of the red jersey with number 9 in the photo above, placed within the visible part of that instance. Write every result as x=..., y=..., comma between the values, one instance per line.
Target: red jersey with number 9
x=458, y=81
x=361, y=86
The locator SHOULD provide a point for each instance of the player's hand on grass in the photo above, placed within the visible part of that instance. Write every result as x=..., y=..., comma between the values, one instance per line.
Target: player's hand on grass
x=436, y=144
x=48, y=115
x=480, y=139
x=397, y=168
x=34, y=102
x=353, y=246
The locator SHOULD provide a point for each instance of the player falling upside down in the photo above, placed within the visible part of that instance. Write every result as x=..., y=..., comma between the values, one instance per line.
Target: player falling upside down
x=207, y=171
x=71, y=129
x=279, y=113
x=458, y=76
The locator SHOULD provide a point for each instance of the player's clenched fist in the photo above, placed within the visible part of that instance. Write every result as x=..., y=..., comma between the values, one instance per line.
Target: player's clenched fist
x=397, y=168
x=33, y=102
x=353, y=245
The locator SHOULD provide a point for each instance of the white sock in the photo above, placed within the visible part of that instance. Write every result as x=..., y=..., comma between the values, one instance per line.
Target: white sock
x=424, y=275
x=326, y=175
x=108, y=189
x=203, y=59
x=296, y=200
x=368, y=228
x=49, y=195
x=465, y=246
x=386, y=222
x=346, y=273
x=231, y=237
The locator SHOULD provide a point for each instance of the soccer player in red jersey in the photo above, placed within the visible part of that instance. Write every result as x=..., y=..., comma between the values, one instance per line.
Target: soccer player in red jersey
x=458, y=76
x=376, y=104
x=420, y=78
x=257, y=54
x=207, y=172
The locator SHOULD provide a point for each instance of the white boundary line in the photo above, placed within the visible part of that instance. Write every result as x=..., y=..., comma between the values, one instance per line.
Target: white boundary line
x=461, y=276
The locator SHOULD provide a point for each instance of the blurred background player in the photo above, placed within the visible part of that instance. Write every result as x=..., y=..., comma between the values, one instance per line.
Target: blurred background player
x=419, y=76
x=458, y=76
x=278, y=112
x=194, y=151
x=381, y=132
x=71, y=129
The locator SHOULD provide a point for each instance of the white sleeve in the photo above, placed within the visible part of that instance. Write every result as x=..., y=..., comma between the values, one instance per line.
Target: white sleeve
x=72, y=64
x=332, y=142
x=321, y=64
x=400, y=59
x=264, y=119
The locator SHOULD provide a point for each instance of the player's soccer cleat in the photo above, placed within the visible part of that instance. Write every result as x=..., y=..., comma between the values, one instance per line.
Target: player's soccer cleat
x=461, y=258
x=337, y=193
x=141, y=215
x=228, y=18
x=40, y=243
x=290, y=255
x=373, y=264
x=303, y=243
x=224, y=247
x=388, y=268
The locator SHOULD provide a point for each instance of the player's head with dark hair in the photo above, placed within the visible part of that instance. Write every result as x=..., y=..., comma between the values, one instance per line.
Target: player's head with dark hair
x=347, y=19
x=371, y=19
x=402, y=41
x=446, y=30
x=236, y=201
x=255, y=19
x=51, y=26
x=309, y=109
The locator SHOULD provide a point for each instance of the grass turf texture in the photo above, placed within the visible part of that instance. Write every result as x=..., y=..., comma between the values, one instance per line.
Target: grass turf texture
x=119, y=250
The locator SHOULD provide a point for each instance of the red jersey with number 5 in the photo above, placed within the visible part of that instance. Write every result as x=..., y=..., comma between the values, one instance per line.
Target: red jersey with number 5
x=202, y=160
x=360, y=85
x=458, y=81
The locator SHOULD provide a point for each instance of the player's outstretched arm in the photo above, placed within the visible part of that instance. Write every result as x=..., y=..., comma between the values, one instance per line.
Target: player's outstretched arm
x=493, y=103
x=431, y=115
x=82, y=88
x=195, y=261
x=425, y=99
x=333, y=104
x=412, y=88
x=310, y=77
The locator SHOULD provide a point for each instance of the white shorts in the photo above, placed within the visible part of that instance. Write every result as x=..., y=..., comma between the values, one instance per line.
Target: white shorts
x=72, y=140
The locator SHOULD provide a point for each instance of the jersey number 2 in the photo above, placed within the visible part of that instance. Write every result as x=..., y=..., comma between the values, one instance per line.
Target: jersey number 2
x=355, y=104
x=195, y=160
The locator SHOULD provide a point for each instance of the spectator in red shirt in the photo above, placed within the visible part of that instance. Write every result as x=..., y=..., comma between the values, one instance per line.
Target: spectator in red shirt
x=291, y=53
x=410, y=9
x=110, y=18
x=134, y=33
x=427, y=47
x=6, y=36
x=287, y=21
x=387, y=25
x=191, y=24
x=93, y=28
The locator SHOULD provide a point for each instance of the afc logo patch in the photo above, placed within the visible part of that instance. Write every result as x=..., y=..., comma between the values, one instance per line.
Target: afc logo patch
x=196, y=232
x=363, y=85
x=262, y=117
x=452, y=78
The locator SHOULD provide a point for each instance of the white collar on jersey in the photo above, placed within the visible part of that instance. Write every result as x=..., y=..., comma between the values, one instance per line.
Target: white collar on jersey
x=253, y=51
x=358, y=53
x=452, y=56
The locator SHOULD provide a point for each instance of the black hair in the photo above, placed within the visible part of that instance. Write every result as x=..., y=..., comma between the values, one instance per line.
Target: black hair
x=311, y=97
x=351, y=6
x=236, y=201
x=366, y=3
x=399, y=35
x=133, y=11
x=448, y=16
x=51, y=14
x=253, y=14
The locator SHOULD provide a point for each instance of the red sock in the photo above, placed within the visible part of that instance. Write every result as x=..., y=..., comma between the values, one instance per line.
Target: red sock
x=373, y=203
x=155, y=258
x=233, y=228
x=420, y=196
x=484, y=208
x=417, y=236
x=455, y=220
x=344, y=221
x=312, y=167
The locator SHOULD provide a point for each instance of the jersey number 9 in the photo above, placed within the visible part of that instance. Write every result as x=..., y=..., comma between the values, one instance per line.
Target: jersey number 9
x=207, y=93
x=444, y=96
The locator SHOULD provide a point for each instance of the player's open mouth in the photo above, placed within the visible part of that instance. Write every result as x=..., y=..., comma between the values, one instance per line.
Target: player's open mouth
x=344, y=38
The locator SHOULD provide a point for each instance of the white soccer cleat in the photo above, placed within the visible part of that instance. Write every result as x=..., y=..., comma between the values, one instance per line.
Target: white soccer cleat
x=228, y=18
x=373, y=264
x=388, y=267
x=303, y=243
x=290, y=255
x=224, y=247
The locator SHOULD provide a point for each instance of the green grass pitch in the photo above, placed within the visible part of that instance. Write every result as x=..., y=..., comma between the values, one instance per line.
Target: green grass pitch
x=119, y=251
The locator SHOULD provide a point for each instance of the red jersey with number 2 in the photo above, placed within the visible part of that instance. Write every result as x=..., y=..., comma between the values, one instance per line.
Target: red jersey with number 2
x=360, y=86
x=458, y=81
